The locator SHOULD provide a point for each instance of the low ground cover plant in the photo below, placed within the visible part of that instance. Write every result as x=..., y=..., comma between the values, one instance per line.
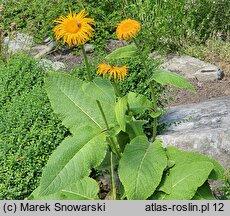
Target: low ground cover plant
x=105, y=133
x=29, y=130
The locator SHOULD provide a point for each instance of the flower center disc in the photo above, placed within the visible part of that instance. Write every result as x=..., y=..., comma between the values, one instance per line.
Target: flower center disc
x=72, y=26
x=125, y=28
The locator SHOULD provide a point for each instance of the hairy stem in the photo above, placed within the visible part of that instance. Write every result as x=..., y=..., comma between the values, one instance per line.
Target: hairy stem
x=89, y=77
x=117, y=90
x=153, y=95
x=110, y=139
x=113, y=194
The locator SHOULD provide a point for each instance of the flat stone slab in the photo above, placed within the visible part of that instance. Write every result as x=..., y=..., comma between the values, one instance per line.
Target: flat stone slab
x=192, y=67
x=202, y=127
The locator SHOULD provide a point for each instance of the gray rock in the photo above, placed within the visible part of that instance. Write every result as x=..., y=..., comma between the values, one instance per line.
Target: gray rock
x=39, y=51
x=114, y=44
x=203, y=128
x=20, y=42
x=192, y=67
x=49, y=65
x=47, y=40
x=89, y=48
x=58, y=66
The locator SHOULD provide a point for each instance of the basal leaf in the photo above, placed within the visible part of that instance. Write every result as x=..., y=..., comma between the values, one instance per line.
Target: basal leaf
x=204, y=193
x=184, y=180
x=128, y=51
x=83, y=189
x=75, y=108
x=170, y=78
x=138, y=103
x=182, y=157
x=73, y=159
x=35, y=196
x=120, y=110
x=141, y=167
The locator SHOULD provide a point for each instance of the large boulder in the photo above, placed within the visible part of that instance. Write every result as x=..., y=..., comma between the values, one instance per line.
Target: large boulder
x=192, y=67
x=202, y=127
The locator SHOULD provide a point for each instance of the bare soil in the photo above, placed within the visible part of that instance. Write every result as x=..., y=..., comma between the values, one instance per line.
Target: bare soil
x=204, y=91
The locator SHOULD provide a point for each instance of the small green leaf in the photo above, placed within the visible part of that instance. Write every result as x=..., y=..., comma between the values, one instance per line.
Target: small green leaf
x=138, y=103
x=128, y=51
x=120, y=110
x=123, y=139
x=156, y=114
x=83, y=189
x=141, y=167
x=170, y=78
x=135, y=128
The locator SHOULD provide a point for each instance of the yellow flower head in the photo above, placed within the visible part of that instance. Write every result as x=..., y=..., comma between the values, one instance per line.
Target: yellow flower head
x=74, y=29
x=115, y=71
x=128, y=29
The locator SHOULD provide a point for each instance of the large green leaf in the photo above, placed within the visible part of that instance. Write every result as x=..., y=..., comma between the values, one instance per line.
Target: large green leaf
x=73, y=159
x=138, y=103
x=170, y=78
x=141, y=167
x=35, y=195
x=128, y=51
x=204, y=193
x=183, y=180
x=74, y=106
x=189, y=173
x=120, y=110
x=182, y=157
x=100, y=89
x=83, y=189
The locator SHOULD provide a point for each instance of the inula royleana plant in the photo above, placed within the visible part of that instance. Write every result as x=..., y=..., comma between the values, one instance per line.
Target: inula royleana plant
x=105, y=131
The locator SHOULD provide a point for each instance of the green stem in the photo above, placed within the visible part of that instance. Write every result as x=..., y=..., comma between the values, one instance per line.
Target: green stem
x=118, y=93
x=110, y=139
x=117, y=90
x=114, y=197
x=86, y=63
x=154, y=97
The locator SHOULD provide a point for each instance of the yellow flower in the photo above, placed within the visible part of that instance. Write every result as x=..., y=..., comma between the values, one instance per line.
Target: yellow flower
x=74, y=29
x=128, y=29
x=115, y=71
